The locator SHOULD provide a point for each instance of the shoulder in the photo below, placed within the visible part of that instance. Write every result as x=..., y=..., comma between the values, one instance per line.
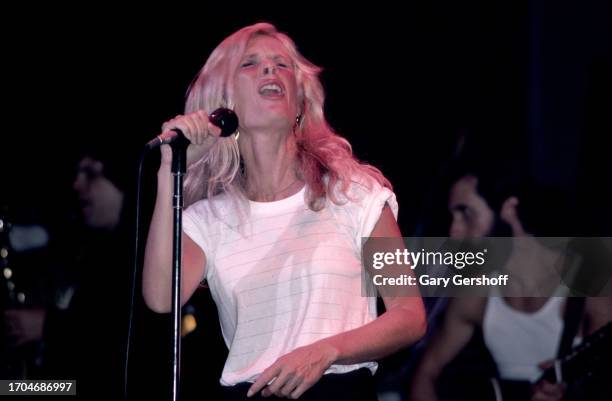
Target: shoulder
x=468, y=309
x=361, y=190
x=597, y=312
x=210, y=209
x=357, y=185
x=208, y=221
x=361, y=201
x=211, y=218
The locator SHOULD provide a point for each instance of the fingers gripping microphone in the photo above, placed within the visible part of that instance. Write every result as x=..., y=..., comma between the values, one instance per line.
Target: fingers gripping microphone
x=223, y=118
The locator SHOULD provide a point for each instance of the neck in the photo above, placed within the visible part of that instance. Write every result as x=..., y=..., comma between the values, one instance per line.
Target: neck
x=533, y=265
x=270, y=164
x=112, y=215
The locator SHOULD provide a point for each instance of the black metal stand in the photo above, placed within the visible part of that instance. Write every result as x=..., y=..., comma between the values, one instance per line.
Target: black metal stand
x=179, y=156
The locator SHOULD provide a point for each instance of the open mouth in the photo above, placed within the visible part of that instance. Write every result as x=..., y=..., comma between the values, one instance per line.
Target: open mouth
x=271, y=90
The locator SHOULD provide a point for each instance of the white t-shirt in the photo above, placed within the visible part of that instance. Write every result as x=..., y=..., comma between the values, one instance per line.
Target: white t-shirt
x=287, y=276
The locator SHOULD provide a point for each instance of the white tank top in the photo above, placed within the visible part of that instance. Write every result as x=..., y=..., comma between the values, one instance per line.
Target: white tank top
x=520, y=341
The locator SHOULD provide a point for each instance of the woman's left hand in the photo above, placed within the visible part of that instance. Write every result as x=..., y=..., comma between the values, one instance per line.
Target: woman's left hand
x=292, y=374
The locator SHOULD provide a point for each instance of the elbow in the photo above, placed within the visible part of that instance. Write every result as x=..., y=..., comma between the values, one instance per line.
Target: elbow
x=155, y=303
x=421, y=330
x=161, y=309
x=420, y=325
x=159, y=303
x=416, y=323
x=411, y=323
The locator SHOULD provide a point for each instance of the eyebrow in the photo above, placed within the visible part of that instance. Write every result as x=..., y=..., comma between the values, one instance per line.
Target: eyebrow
x=460, y=207
x=275, y=57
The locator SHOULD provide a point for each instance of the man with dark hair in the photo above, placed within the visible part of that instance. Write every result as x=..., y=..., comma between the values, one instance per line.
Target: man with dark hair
x=85, y=333
x=522, y=333
x=83, y=324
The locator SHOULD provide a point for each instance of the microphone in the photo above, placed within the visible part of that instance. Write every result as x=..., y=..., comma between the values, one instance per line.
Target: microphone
x=223, y=118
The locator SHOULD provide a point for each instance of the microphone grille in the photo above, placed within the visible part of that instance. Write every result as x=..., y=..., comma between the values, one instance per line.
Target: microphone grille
x=225, y=119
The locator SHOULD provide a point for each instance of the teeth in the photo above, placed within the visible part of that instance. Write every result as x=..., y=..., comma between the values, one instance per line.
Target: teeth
x=271, y=87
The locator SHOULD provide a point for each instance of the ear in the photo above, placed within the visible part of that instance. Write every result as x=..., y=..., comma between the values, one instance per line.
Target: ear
x=301, y=96
x=509, y=214
x=300, y=112
x=508, y=209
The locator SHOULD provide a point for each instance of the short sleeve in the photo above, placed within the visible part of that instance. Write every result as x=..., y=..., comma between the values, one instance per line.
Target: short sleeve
x=194, y=225
x=372, y=205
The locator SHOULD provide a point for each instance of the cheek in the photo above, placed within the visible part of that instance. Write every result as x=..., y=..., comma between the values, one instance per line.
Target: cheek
x=244, y=82
x=242, y=96
x=240, y=91
x=297, y=93
x=484, y=223
x=457, y=226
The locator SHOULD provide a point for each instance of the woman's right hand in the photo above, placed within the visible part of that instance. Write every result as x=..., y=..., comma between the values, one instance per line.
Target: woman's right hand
x=198, y=129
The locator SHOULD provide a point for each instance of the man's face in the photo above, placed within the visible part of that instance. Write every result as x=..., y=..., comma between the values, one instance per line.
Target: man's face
x=99, y=198
x=471, y=215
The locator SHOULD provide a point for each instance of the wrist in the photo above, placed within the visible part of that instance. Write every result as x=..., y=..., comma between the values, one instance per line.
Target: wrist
x=333, y=351
x=164, y=170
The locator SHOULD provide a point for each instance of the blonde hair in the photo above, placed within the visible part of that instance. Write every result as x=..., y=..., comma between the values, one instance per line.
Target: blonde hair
x=324, y=159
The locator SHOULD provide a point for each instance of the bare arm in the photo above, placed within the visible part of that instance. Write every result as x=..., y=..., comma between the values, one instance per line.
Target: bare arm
x=157, y=271
x=402, y=324
x=597, y=313
x=462, y=317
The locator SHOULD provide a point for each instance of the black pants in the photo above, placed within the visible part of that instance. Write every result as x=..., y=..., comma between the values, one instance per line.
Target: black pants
x=357, y=385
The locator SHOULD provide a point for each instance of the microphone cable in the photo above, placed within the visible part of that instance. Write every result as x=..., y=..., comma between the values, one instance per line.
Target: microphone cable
x=135, y=265
x=223, y=118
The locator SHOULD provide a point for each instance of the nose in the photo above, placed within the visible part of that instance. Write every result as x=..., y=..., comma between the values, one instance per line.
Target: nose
x=457, y=229
x=79, y=183
x=269, y=68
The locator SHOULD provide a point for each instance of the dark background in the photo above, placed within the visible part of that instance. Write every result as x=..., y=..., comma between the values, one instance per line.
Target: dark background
x=523, y=80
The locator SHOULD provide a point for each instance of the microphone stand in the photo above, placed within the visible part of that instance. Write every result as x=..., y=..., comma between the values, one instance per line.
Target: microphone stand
x=179, y=163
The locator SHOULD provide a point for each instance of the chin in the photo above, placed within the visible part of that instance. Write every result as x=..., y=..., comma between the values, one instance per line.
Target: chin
x=272, y=121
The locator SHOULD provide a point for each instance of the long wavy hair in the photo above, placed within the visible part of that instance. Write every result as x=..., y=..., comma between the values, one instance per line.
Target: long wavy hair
x=325, y=160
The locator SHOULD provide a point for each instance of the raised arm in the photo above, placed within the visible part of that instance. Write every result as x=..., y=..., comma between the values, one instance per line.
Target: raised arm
x=157, y=271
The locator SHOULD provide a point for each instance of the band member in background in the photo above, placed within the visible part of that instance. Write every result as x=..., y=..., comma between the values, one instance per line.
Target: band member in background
x=522, y=334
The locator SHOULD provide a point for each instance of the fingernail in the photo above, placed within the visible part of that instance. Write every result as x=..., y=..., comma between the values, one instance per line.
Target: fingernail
x=249, y=393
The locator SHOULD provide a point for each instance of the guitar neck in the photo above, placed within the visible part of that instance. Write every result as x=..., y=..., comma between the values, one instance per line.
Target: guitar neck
x=587, y=358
